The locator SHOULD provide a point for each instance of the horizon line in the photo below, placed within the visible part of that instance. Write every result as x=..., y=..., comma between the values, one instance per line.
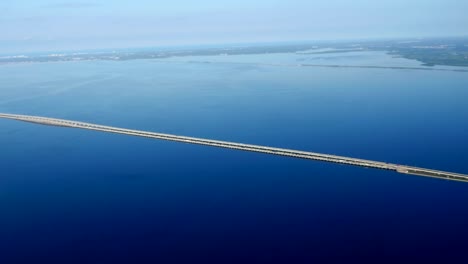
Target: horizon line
x=220, y=44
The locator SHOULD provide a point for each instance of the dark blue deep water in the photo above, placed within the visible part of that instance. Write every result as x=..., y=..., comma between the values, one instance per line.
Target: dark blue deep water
x=75, y=196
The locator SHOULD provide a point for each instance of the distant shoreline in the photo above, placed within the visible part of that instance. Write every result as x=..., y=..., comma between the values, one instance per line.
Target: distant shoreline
x=434, y=52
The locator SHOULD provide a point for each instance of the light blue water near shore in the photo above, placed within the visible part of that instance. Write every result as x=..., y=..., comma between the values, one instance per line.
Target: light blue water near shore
x=81, y=196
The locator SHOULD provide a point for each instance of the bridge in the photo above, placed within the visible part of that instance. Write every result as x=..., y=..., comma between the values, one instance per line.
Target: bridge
x=245, y=147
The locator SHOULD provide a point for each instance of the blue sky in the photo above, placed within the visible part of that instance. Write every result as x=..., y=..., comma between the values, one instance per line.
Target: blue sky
x=35, y=25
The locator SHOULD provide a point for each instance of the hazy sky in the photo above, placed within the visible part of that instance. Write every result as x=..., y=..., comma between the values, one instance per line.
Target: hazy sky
x=29, y=25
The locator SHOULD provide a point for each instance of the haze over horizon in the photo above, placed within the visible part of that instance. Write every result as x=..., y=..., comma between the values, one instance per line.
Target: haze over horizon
x=45, y=25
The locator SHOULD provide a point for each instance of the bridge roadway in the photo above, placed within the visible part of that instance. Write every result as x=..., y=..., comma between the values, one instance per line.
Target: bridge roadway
x=245, y=147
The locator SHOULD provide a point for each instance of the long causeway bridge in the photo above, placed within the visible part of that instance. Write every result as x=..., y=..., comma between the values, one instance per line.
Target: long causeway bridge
x=246, y=147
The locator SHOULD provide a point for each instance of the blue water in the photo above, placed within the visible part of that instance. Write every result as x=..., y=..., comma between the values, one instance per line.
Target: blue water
x=75, y=196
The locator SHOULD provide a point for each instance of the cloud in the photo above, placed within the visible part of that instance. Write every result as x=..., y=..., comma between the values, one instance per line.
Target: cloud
x=71, y=5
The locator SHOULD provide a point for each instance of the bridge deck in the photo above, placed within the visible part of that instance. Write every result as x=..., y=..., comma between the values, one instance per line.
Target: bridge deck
x=245, y=147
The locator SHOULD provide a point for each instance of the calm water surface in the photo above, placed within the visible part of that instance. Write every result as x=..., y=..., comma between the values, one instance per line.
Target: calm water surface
x=79, y=196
